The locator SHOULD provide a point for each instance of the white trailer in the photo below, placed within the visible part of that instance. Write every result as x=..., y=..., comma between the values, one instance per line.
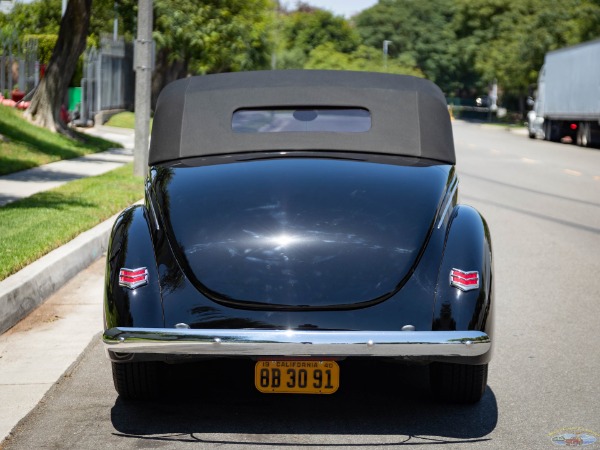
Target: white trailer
x=567, y=103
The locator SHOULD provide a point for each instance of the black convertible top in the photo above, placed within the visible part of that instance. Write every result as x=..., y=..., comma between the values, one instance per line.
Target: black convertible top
x=408, y=115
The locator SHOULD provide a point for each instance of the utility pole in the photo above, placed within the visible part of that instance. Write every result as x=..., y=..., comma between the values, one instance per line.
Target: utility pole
x=143, y=78
x=115, y=23
x=386, y=45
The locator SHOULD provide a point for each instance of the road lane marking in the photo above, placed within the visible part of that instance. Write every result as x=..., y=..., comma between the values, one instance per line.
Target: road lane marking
x=574, y=173
x=529, y=161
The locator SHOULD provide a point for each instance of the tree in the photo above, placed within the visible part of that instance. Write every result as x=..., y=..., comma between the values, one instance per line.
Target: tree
x=38, y=17
x=420, y=31
x=102, y=19
x=192, y=37
x=50, y=94
x=205, y=37
x=506, y=41
x=363, y=58
x=305, y=29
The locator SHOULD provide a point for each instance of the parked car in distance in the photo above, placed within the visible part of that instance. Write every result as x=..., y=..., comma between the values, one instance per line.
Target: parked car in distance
x=300, y=219
x=483, y=101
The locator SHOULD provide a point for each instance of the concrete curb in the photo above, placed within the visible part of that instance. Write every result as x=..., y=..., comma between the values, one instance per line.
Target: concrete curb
x=24, y=291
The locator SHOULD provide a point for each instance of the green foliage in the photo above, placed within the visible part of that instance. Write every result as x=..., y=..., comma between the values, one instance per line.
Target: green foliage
x=43, y=17
x=45, y=45
x=38, y=17
x=300, y=32
x=364, y=58
x=506, y=41
x=127, y=11
x=102, y=20
x=192, y=37
x=37, y=24
x=462, y=45
x=211, y=36
x=420, y=31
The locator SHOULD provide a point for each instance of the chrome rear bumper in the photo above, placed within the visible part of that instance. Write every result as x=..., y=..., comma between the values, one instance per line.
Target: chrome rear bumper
x=260, y=343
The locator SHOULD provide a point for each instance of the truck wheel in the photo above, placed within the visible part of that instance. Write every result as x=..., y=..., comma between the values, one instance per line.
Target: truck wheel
x=458, y=383
x=136, y=380
x=548, y=134
x=583, y=134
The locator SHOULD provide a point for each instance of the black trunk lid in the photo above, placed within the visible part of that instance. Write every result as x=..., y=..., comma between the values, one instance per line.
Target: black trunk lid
x=295, y=233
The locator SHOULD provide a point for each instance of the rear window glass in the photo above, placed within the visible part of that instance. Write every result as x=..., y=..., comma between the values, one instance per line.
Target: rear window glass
x=346, y=120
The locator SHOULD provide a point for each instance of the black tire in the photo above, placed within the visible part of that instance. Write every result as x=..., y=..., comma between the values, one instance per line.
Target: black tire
x=548, y=130
x=553, y=131
x=583, y=134
x=137, y=380
x=458, y=383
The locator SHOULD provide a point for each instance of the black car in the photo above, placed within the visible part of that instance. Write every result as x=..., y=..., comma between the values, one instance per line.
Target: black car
x=298, y=219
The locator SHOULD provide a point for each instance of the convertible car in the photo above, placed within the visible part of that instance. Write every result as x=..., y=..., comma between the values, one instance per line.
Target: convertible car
x=299, y=219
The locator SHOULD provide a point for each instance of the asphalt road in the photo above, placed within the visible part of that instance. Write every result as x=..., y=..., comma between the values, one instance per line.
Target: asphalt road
x=542, y=202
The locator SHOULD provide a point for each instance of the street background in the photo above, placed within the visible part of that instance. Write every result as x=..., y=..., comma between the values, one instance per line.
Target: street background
x=541, y=202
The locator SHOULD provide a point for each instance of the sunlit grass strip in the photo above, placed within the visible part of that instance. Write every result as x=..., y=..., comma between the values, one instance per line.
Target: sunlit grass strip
x=30, y=146
x=124, y=120
x=34, y=226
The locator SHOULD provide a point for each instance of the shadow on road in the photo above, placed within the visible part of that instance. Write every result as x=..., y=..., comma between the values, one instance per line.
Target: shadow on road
x=375, y=399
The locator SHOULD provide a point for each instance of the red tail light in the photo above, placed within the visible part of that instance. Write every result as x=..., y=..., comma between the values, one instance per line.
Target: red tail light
x=464, y=281
x=133, y=278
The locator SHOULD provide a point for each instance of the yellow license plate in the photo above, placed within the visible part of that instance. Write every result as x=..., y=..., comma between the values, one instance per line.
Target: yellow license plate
x=297, y=377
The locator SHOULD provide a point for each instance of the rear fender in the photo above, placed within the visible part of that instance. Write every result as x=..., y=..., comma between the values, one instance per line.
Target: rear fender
x=467, y=248
x=131, y=247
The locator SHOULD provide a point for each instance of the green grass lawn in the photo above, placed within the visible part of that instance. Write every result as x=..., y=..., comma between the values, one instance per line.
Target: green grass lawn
x=30, y=146
x=34, y=226
x=124, y=120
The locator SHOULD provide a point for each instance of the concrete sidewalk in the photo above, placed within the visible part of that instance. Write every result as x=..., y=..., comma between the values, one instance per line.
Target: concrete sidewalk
x=26, y=183
x=37, y=351
x=124, y=136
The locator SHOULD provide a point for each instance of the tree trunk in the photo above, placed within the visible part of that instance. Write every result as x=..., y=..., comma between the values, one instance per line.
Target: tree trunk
x=51, y=92
x=167, y=71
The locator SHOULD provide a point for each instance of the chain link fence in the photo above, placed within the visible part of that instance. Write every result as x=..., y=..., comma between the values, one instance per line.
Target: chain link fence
x=19, y=66
x=107, y=84
x=108, y=81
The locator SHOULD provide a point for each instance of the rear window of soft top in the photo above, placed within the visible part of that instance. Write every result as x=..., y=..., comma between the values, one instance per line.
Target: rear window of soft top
x=344, y=120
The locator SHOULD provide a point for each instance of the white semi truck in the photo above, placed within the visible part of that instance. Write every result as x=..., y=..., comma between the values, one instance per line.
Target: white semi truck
x=567, y=103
